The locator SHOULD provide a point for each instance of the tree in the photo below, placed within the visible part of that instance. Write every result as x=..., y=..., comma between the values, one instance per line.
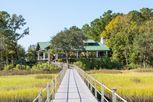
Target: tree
x=17, y=23
x=146, y=13
x=98, y=25
x=21, y=55
x=128, y=36
x=68, y=40
x=31, y=54
x=144, y=44
x=86, y=29
x=11, y=30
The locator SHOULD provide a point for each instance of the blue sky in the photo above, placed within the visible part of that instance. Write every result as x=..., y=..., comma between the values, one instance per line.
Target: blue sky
x=47, y=17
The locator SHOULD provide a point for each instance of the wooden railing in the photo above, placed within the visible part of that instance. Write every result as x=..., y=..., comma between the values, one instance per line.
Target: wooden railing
x=51, y=88
x=101, y=92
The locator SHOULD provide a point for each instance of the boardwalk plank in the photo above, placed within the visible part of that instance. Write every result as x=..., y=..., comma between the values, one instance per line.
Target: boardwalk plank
x=73, y=89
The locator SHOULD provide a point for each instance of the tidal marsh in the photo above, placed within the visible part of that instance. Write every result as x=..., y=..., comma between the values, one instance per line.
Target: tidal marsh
x=133, y=86
x=22, y=88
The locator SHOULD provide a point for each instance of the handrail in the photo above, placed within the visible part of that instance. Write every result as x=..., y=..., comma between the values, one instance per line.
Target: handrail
x=92, y=83
x=54, y=86
x=39, y=96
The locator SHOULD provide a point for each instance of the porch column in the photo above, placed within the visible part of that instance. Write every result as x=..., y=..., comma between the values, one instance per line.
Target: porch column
x=97, y=53
x=56, y=56
x=48, y=56
x=38, y=55
x=44, y=56
x=87, y=54
x=77, y=54
x=106, y=53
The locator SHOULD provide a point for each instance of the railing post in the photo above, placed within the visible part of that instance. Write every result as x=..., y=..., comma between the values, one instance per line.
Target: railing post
x=48, y=92
x=95, y=90
x=88, y=82
x=53, y=90
x=114, y=99
x=40, y=97
x=90, y=86
x=102, y=92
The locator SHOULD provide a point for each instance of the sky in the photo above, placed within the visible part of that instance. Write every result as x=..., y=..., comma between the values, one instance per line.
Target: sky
x=46, y=18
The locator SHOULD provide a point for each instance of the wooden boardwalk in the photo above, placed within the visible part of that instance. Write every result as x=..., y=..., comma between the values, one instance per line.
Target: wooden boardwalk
x=73, y=89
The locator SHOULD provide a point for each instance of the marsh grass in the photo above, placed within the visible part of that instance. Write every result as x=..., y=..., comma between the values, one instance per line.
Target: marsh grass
x=143, y=70
x=22, y=88
x=44, y=76
x=26, y=72
x=105, y=71
x=133, y=86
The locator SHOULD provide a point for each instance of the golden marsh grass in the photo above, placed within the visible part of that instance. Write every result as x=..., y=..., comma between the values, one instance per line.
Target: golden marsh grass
x=130, y=84
x=23, y=88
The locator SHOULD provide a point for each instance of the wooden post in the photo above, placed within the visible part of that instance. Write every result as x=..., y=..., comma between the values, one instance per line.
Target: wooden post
x=97, y=54
x=48, y=92
x=106, y=53
x=95, y=90
x=48, y=56
x=40, y=97
x=114, y=99
x=87, y=54
x=38, y=55
x=44, y=55
x=56, y=56
x=86, y=79
x=53, y=90
x=54, y=86
x=102, y=92
x=90, y=87
x=77, y=54
x=88, y=82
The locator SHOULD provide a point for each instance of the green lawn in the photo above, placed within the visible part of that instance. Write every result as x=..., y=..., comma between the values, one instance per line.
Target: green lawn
x=22, y=87
x=131, y=85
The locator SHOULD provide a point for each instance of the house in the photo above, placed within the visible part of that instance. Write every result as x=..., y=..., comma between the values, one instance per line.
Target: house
x=91, y=47
x=43, y=53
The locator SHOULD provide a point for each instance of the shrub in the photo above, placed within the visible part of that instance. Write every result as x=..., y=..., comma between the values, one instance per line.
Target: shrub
x=45, y=67
x=9, y=67
x=28, y=68
x=132, y=66
x=98, y=63
x=21, y=67
x=60, y=60
x=80, y=64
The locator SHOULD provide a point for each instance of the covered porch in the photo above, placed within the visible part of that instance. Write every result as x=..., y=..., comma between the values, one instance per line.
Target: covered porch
x=43, y=52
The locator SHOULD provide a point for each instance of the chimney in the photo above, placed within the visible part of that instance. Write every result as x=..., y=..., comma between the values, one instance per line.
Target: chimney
x=102, y=40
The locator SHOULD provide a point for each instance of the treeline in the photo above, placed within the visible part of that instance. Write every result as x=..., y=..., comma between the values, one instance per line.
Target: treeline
x=130, y=36
x=12, y=29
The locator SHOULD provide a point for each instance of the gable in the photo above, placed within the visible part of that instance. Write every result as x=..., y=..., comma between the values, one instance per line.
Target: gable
x=42, y=45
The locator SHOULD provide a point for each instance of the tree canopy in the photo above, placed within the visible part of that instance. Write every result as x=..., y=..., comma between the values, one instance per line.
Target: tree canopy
x=12, y=29
x=130, y=37
x=94, y=29
x=68, y=40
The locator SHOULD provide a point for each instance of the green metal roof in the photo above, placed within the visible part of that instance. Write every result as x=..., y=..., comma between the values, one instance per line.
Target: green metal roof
x=89, y=41
x=90, y=45
x=43, y=45
x=98, y=47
